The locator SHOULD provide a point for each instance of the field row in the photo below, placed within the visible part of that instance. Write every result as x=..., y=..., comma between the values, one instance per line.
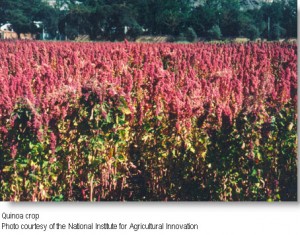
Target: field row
x=128, y=121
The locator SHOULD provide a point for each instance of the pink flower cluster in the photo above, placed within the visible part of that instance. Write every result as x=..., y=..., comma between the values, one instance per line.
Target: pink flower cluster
x=180, y=82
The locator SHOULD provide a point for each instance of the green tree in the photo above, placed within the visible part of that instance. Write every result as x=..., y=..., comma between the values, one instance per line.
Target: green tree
x=224, y=13
x=164, y=17
x=22, y=14
x=108, y=19
x=289, y=16
x=15, y=13
x=101, y=19
x=272, y=14
x=251, y=32
x=277, y=32
x=255, y=18
x=203, y=17
x=230, y=17
x=214, y=33
x=190, y=34
x=122, y=14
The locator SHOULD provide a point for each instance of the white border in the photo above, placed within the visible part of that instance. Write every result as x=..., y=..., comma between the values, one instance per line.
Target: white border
x=212, y=217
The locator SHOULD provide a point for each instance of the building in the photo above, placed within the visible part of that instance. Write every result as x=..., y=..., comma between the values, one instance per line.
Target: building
x=7, y=32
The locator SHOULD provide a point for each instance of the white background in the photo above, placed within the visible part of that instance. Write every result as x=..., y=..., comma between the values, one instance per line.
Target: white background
x=238, y=218
x=212, y=217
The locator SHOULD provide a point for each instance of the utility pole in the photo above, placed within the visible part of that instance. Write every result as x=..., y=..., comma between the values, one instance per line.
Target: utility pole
x=40, y=24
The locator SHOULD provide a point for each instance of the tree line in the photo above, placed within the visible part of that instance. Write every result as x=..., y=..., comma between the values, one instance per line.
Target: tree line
x=182, y=19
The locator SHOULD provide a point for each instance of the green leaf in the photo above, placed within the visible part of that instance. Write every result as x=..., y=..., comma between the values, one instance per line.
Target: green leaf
x=34, y=177
x=124, y=110
x=254, y=172
x=31, y=145
x=6, y=169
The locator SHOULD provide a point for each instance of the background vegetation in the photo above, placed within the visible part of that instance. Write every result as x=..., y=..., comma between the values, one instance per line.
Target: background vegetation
x=107, y=19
